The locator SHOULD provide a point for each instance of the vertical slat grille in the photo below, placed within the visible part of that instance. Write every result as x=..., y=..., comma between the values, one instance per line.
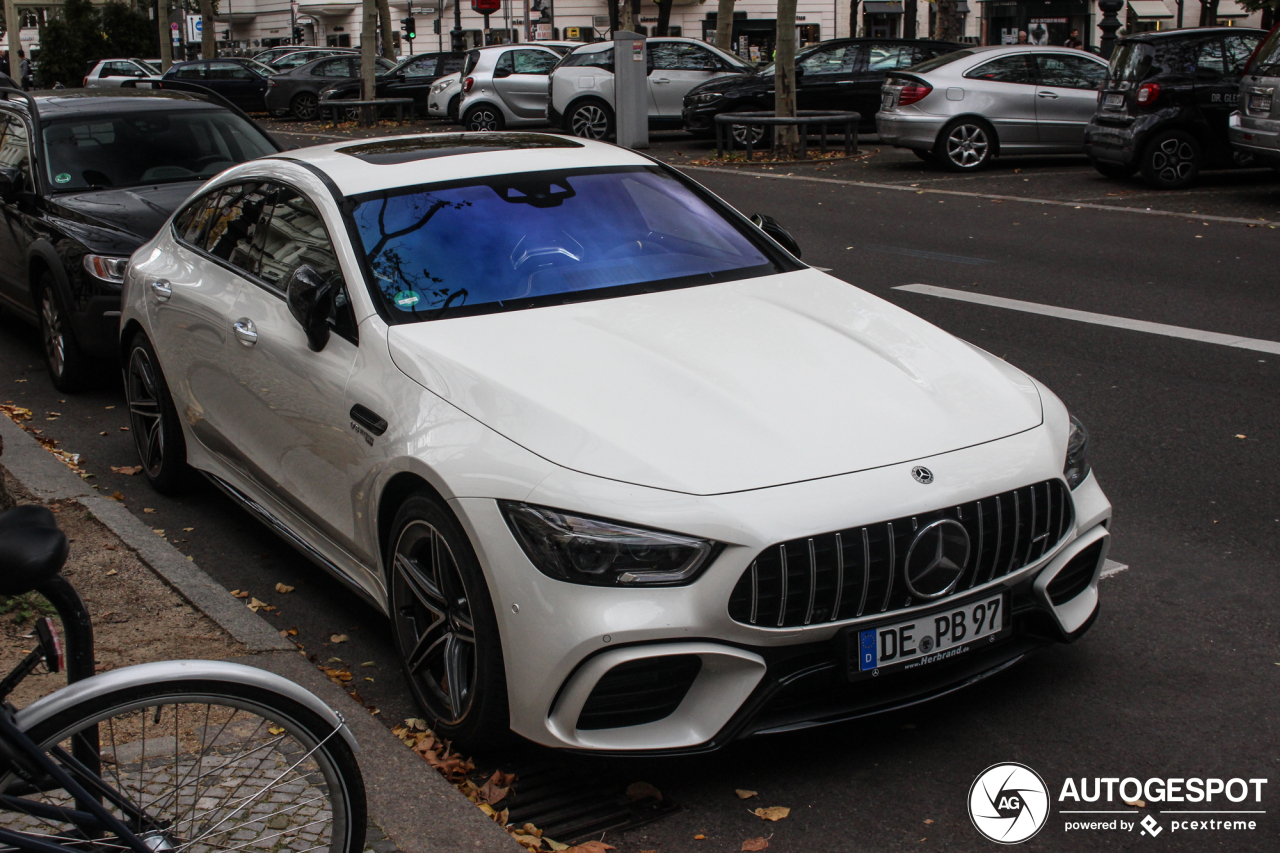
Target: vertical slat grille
x=858, y=572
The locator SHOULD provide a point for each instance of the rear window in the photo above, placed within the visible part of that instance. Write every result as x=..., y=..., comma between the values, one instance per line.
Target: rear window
x=546, y=238
x=939, y=61
x=590, y=59
x=1267, y=61
x=473, y=57
x=1131, y=62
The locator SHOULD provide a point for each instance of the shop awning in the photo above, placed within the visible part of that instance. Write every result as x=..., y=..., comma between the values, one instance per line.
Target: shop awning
x=891, y=8
x=1151, y=10
x=1231, y=9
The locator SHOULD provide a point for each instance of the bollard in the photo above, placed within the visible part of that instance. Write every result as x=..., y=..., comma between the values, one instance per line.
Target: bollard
x=631, y=89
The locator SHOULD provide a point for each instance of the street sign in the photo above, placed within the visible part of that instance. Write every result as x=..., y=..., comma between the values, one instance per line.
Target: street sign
x=193, y=28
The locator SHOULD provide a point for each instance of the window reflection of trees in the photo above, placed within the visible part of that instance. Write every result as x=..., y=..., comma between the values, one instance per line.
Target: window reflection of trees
x=295, y=236
x=389, y=265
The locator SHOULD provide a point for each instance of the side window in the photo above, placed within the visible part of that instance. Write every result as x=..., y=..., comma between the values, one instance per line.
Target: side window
x=886, y=57
x=14, y=153
x=116, y=69
x=1006, y=69
x=534, y=61
x=192, y=222
x=1070, y=72
x=194, y=71
x=424, y=67
x=690, y=57
x=830, y=60
x=228, y=71
x=1239, y=49
x=333, y=68
x=295, y=235
x=1209, y=60
x=452, y=64
x=506, y=62
x=235, y=226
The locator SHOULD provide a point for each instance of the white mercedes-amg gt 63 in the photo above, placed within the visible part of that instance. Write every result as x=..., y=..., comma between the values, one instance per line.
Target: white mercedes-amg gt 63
x=625, y=474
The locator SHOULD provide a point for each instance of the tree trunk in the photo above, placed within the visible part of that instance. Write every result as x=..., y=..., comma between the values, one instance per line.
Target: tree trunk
x=909, y=9
x=948, y=24
x=784, y=78
x=166, y=38
x=853, y=18
x=724, y=26
x=614, y=23
x=368, y=53
x=664, y=17
x=15, y=40
x=388, y=31
x=208, y=31
x=1209, y=13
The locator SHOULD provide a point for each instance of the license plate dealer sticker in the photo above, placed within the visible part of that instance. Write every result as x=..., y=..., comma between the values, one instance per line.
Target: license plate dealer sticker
x=1260, y=103
x=1114, y=100
x=928, y=637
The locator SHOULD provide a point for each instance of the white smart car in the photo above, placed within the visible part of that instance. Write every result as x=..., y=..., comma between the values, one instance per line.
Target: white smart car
x=624, y=473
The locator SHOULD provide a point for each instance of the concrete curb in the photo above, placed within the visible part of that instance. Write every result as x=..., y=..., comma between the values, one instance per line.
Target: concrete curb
x=417, y=809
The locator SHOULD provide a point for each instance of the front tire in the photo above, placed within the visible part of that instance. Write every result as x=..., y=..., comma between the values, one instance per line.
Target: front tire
x=67, y=364
x=966, y=145
x=590, y=120
x=1171, y=160
x=153, y=421
x=483, y=117
x=452, y=110
x=305, y=106
x=444, y=625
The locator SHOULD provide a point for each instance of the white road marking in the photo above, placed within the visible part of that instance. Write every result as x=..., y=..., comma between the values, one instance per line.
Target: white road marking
x=1255, y=344
x=1111, y=568
x=994, y=196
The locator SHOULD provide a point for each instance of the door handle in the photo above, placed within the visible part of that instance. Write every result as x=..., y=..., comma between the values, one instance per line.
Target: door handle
x=662, y=80
x=1049, y=95
x=161, y=289
x=246, y=331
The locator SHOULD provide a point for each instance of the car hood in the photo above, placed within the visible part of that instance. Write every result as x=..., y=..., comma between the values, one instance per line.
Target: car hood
x=723, y=387
x=118, y=221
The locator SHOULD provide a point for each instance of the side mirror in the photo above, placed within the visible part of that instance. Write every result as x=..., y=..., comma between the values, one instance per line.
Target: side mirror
x=781, y=236
x=499, y=73
x=10, y=184
x=310, y=300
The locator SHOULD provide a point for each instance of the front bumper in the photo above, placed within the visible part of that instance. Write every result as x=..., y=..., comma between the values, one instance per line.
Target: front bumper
x=560, y=640
x=910, y=131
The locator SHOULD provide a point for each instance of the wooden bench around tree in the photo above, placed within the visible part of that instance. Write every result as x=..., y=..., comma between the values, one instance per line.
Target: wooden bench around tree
x=364, y=111
x=804, y=120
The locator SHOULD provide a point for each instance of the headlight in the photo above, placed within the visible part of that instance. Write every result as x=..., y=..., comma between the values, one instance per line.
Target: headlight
x=707, y=97
x=1077, y=464
x=591, y=551
x=439, y=87
x=106, y=268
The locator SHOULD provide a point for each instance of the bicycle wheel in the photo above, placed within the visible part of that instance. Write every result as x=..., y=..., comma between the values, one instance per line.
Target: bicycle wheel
x=203, y=767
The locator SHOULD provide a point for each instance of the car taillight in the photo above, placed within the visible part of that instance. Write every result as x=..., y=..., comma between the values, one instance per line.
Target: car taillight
x=913, y=92
x=84, y=84
x=468, y=83
x=1147, y=94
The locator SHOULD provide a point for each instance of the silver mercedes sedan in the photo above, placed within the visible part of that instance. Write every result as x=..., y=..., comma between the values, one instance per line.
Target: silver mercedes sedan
x=965, y=108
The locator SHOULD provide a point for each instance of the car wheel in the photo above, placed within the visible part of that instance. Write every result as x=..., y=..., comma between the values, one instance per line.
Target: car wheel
x=590, y=120
x=153, y=420
x=305, y=106
x=444, y=625
x=966, y=145
x=483, y=117
x=66, y=362
x=452, y=110
x=760, y=136
x=351, y=113
x=1171, y=160
x=1114, y=170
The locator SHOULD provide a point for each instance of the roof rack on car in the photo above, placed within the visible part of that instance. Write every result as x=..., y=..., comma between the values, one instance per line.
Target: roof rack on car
x=191, y=88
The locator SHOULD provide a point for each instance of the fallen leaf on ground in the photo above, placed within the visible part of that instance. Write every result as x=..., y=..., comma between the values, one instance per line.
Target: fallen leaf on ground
x=147, y=509
x=642, y=791
x=1138, y=804
x=129, y=470
x=368, y=663
x=117, y=496
x=556, y=845
x=113, y=572
x=339, y=638
x=755, y=844
x=276, y=730
x=699, y=837
x=240, y=593
x=188, y=529
x=744, y=794
x=159, y=531
x=124, y=429
x=928, y=820
x=594, y=846
x=772, y=812
x=1241, y=436
x=255, y=605
x=282, y=588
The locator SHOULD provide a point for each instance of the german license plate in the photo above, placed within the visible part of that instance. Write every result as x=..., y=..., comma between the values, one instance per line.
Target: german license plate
x=1114, y=100
x=886, y=101
x=1260, y=103
x=928, y=637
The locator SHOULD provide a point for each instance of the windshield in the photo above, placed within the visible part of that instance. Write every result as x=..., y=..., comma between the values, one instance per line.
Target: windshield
x=545, y=238
x=149, y=147
x=1267, y=61
x=1131, y=62
x=147, y=66
x=264, y=70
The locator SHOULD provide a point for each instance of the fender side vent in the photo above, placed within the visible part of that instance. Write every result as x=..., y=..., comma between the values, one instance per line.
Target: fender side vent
x=639, y=691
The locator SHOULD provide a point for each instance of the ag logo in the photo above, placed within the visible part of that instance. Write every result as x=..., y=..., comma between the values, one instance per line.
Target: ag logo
x=1008, y=803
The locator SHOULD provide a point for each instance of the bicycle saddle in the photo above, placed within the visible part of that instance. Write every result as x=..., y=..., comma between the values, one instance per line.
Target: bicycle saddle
x=32, y=549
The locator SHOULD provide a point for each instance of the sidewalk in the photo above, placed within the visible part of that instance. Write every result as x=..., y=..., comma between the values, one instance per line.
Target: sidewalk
x=149, y=602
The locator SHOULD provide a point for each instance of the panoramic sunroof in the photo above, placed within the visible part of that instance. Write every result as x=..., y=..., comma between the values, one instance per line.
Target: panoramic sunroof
x=388, y=152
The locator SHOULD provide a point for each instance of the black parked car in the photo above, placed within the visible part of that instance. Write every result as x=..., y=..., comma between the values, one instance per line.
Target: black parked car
x=86, y=177
x=297, y=92
x=241, y=81
x=412, y=78
x=1164, y=106
x=842, y=74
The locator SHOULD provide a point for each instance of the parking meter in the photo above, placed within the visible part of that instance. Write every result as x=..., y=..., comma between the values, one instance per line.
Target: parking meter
x=631, y=89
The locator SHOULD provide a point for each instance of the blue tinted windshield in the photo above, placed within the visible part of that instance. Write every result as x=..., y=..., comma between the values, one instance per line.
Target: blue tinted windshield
x=540, y=238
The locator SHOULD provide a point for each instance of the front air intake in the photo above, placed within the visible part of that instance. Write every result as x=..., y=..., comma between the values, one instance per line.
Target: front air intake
x=639, y=691
x=1075, y=575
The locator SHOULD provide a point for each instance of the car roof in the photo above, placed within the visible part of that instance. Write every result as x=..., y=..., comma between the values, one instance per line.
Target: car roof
x=1192, y=32
x=362, y=166
x=56, y=102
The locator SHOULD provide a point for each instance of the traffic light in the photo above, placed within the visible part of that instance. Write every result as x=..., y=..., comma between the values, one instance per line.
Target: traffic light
x=436, y=26
x=297, y=35
x=410, y=27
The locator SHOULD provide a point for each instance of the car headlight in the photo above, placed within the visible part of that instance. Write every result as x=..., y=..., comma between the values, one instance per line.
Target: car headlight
x=592, y=551
x=439, y=87
x=1076, y=467
x=106, y=268
x=707, y=97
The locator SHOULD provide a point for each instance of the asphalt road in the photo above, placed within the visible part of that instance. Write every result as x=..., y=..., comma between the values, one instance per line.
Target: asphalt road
x=1179, y=676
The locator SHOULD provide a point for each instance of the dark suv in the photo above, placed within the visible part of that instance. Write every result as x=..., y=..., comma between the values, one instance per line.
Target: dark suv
x=1164, y=106
x=842, y=74
x=86, y=177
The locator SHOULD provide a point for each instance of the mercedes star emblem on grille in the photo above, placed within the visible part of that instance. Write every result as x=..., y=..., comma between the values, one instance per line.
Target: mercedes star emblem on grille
x=936, y=559
x=922, y=474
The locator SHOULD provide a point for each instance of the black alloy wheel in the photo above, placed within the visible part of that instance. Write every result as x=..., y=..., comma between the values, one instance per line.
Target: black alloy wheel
x=67, y=365
x=153, y=421
x=966, y=145
x=444, y=625
x=1171, y=160
x=759, y=135
x=1114, y=170
x=483, y=117
x=590, y=120
x=305, y=106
